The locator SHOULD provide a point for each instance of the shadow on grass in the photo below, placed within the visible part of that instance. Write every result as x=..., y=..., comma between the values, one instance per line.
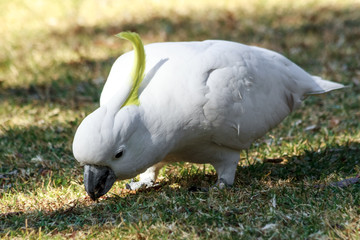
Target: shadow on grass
x=163, y=202
x=29, y=154
x=72, y=85
x=312, y=166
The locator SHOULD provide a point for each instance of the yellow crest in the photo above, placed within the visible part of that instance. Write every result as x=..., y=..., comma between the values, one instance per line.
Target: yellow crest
x=137, y=73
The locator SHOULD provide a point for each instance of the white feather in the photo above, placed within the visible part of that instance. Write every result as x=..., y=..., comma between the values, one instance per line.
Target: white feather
x=204, y=102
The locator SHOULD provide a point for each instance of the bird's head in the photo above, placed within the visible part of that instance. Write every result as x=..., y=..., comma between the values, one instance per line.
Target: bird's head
x=111, y=141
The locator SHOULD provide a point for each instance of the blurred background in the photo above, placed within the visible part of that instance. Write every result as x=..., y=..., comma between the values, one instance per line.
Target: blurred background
x=40, y=39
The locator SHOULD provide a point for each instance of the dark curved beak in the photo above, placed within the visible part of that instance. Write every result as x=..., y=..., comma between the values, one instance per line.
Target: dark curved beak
x=98, y=180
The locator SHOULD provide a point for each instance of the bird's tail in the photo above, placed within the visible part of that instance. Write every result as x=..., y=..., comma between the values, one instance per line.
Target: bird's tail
x=324, y=86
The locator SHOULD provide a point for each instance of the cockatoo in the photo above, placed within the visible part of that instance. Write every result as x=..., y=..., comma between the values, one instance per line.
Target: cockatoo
x=199, y=102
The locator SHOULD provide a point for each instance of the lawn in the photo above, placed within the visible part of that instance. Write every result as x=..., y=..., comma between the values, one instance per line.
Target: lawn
x=54, y=60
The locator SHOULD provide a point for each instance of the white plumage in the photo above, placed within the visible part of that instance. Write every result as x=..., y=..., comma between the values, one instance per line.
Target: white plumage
x=200, y=102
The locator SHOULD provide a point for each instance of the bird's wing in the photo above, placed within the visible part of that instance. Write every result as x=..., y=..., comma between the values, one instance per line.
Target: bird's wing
x=253, y=91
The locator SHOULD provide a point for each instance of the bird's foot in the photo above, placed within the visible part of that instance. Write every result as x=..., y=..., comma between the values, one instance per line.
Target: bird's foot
x=132, y=185
x=221, y=184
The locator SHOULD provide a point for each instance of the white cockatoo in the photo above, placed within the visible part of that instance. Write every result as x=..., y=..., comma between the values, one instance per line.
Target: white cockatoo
x=199, y=102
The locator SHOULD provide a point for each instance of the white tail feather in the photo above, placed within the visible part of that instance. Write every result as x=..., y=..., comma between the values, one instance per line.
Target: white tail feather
x=324, y=86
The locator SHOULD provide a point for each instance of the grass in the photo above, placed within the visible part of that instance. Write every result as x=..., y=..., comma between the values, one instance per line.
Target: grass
x=54, y=59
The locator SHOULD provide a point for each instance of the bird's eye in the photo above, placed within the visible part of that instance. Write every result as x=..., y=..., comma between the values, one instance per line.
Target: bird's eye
x=119, y=154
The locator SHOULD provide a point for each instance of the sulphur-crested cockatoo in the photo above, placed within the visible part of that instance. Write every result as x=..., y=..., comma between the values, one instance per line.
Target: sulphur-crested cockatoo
x=199, y=102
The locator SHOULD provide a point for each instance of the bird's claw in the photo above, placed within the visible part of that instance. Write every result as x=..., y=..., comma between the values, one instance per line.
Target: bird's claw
x=132, y=185
x=221, y=184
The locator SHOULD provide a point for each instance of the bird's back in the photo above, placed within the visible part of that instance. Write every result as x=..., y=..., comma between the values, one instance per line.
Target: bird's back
x=230, y=93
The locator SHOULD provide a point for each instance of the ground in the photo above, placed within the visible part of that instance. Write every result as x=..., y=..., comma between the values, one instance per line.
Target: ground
x=54, y=59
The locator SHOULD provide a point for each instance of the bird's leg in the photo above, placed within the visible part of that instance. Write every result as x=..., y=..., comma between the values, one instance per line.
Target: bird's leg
x=226, y=169
x=147, y=178
x=225, y=163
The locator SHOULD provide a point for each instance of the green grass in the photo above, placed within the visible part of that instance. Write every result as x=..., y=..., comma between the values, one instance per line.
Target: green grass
x=54, y=59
